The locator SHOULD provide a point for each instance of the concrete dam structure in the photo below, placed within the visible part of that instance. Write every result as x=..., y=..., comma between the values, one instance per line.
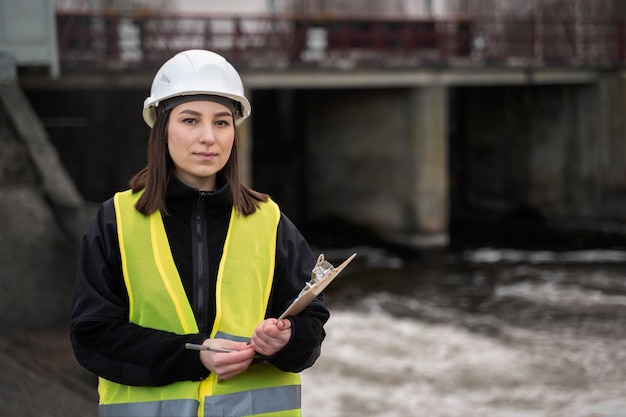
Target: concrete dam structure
x=394, y=134
x=398, y=153
x=415, y=135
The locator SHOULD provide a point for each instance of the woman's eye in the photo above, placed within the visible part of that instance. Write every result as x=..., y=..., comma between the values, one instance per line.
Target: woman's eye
x=222, y=123
x=189, y=121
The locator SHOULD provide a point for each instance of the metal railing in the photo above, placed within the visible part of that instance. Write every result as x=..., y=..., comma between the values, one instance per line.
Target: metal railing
x=117, y=41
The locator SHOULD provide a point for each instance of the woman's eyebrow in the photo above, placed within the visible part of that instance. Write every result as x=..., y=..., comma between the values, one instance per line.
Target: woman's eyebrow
x=189, y=111
x=197, y=113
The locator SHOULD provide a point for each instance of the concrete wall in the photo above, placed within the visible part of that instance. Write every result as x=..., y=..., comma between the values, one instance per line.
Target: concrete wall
x=377, y=158
x=41, y=218
x=551, y=153
x=28, y=32
x=355, y=140
x=557, y=150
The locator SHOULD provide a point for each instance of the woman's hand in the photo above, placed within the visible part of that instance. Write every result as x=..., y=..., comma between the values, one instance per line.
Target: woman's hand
x=271, y=335
x=227, y=365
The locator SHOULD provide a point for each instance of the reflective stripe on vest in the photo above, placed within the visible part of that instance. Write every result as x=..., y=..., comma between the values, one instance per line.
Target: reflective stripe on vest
x=157, y=300
x=270, y=400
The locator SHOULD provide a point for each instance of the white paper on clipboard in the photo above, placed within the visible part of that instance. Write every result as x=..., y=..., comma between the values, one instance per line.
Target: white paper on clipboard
x=313, y=290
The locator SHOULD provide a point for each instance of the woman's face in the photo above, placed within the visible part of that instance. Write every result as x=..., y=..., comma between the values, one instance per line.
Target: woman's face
x=200, y=136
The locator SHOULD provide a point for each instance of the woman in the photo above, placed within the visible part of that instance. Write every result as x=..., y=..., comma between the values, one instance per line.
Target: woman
x=189, y=255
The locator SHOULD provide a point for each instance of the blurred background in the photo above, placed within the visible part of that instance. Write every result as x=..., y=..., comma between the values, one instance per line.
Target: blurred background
x=470, y=152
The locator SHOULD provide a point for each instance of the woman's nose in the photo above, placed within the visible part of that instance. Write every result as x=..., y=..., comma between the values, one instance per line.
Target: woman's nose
x=207, y=135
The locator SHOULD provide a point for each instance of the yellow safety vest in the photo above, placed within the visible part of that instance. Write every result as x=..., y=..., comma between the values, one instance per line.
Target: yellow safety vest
x=157, y=300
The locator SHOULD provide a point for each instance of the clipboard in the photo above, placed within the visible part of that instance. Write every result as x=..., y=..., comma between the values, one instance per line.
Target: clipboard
x=319, y=281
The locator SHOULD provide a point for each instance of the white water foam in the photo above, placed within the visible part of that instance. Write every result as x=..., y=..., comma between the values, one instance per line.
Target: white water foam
x=376, y=365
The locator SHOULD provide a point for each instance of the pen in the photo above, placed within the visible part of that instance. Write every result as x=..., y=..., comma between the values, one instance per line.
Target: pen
x=203, y=347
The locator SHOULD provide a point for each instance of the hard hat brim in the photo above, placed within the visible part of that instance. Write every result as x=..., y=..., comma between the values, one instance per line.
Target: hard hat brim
x=150, y=105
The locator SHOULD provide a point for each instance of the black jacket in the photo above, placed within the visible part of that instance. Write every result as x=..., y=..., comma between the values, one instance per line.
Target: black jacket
x=108, y=345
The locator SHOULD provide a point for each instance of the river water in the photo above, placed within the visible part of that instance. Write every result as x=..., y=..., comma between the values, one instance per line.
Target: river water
x=482, y=332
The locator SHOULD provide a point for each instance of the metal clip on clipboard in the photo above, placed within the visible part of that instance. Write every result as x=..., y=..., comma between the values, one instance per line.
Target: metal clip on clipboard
x=322, y=275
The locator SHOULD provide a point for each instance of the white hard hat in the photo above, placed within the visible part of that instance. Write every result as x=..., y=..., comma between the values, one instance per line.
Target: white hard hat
x=196, y=72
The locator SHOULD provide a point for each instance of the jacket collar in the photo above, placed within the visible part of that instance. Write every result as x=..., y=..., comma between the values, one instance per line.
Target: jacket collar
x=180, y=195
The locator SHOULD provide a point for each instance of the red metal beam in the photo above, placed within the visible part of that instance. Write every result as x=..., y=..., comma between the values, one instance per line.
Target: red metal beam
x=111, y=40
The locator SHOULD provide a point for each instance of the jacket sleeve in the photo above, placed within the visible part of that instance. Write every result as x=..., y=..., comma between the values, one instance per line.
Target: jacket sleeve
x=294, y=263
x=103, y=339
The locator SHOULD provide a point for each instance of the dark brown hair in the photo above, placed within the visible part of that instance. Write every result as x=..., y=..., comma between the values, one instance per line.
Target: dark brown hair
x=155, y=177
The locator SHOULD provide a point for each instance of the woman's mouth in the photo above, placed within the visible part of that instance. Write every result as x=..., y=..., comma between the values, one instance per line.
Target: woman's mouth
x=205, y=155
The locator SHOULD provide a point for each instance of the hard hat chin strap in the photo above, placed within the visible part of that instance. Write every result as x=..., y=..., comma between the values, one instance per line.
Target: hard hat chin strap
x=167, y=105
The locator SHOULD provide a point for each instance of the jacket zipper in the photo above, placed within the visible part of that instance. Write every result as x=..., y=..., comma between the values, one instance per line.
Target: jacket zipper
x=200, y=281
